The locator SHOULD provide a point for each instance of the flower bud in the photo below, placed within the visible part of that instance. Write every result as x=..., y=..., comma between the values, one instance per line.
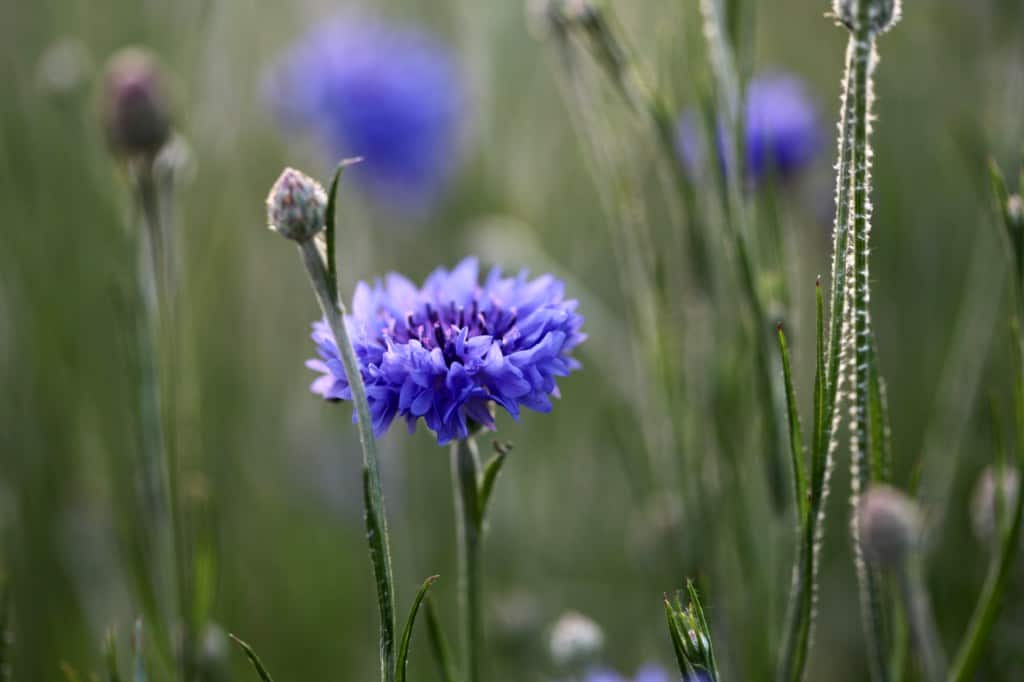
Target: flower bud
x=296, y=206
x=889, y=525
x=136, y=110
x=575, y=639
x=881, y=14
x=983, y=502
x=1015, y=212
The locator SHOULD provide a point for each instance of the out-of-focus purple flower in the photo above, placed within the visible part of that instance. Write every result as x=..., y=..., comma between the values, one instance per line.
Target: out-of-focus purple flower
x=446, y=350
x=783, y=132
x=390, y=94
x=649, y=673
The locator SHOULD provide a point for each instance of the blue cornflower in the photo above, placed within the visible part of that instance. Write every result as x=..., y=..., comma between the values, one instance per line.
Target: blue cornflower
x=447, y=350
x=390, y=94
x=649, y=673
x=783, y=132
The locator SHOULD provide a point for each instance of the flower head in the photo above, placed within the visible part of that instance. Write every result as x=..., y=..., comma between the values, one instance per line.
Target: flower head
x=649, y=673
x=136, y=109
x=782, y=136
x=296, y=206
x=446, y=351
x=387, y=93
x=888, y=525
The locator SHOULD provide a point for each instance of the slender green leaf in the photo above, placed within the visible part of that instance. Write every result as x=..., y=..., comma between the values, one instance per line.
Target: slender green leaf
x=879, y=445
x=253, y=658
x=403, y=647
x=820, y=413
x=796, y=439
x=490, y=475
x=439, y=645
x=329, y=220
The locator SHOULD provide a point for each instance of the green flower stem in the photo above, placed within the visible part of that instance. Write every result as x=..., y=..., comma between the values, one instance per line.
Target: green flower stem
x=465, y=477
x=155, y=352
x=919, y=615
x=376, y=517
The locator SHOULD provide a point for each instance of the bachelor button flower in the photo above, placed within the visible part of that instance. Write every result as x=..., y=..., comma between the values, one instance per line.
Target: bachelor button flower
x=136, y=111
x=649, y=673
x=387, y=93
x=782, y=134
x=448, y=349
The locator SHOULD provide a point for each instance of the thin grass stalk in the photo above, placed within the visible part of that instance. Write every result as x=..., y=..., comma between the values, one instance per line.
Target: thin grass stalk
x=376, y=516
x=912, y=589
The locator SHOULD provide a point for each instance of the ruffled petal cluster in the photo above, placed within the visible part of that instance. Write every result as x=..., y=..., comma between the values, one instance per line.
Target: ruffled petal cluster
x=446, y=351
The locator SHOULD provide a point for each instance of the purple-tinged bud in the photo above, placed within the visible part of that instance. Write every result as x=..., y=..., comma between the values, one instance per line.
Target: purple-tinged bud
x=881, y=14
x=984, y=511
x=889, y=525
x=136, y=107
x=296, y=206
x=1015, y=212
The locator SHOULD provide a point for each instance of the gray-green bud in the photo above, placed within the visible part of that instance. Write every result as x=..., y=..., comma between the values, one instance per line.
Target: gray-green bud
x=881, y=14
x=889, y=526
x=296, y=206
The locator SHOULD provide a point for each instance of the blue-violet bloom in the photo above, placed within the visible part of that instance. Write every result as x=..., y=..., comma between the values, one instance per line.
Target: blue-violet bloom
x=783, y=132
x=391, y=94
x=649, y=673
x=447, y=350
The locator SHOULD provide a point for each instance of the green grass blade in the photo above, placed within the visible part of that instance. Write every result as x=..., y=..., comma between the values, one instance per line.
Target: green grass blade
x=819, y=445
x=796, y=439
x=442, y=653
x=402, y=659
x=253, y=658
x=879, y=442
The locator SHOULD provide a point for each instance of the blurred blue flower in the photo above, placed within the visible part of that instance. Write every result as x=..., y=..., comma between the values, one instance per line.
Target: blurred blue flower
x=783, y=132
x=391, y=94
x=649, y=673
x=445, y=351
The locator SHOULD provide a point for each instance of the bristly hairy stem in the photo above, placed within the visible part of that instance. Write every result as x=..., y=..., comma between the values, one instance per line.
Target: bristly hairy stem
x=987, y=608
x=863, y=36
x=465, y=481
x=376, y=516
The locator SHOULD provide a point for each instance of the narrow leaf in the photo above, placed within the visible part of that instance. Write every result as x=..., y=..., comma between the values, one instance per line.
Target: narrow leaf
x=490, y=475
x=677, y=638
x=253, y=658
x=439, y=644
x=796, y=439
x=403, y=647
x=879, y=445
x=329, y=219
x=820, y=415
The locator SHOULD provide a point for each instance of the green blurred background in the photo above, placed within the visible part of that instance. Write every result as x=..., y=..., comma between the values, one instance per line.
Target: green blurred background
x=579, y=521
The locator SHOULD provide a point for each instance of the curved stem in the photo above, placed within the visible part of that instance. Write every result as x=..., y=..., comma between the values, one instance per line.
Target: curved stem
x=465, y=468
x=922, y=623
x=376, y=517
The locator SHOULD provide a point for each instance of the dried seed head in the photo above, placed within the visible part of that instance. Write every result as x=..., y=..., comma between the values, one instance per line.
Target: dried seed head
x=136, y=109
x=881, y=14
x=296, y=206
x=575, y=639
x=889, y=525
x=984, y=500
